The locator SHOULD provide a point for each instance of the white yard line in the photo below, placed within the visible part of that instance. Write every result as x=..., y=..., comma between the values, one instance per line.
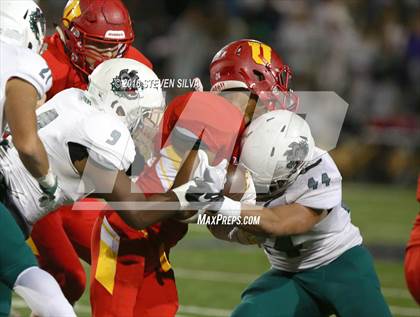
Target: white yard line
x=407, y=312
x=204, y=311
x=396, y=293
x=216, y=276
x=82, y=308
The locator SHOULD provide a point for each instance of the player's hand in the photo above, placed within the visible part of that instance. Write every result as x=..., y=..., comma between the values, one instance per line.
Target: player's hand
x=206, y=186
x=52, y=198
x=208, y=181
x=244, y=237
x=198, y=195
x=214, y=176
x=203, y=191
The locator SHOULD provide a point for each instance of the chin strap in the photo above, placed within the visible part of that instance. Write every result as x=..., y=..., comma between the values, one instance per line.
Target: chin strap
x=60, y=34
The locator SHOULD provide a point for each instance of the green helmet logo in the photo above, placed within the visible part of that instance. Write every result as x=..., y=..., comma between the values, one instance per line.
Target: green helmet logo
x=37, y=23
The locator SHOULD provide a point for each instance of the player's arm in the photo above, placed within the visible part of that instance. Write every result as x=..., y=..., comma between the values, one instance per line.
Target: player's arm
x=20, y=103
x=283, y=220
x=298, y=216
x=137, y=210
x=117, y=189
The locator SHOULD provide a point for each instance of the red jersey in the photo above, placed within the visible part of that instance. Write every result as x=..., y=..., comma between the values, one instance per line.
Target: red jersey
x=213, y=120
x=64, y=74
x=202, y=115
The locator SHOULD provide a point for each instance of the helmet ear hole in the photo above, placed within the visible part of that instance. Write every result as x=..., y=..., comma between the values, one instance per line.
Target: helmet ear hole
x=260, y=76
x=30, y=45
x=120, y=111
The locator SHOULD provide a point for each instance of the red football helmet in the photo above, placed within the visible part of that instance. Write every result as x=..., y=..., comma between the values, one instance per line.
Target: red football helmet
x=96, y=30
x=255, y=66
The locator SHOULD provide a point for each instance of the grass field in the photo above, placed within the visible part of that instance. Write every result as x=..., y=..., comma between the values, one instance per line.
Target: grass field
x=211, y=274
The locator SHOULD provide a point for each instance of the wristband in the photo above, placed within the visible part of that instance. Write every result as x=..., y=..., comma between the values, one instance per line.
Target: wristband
x=48, y=180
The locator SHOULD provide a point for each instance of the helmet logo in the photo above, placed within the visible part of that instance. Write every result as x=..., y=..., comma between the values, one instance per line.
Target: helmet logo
x=261, y=53
x=297, y=153
x=115, y=35
x=37, y=23
x=127, y=84
x=71, y=11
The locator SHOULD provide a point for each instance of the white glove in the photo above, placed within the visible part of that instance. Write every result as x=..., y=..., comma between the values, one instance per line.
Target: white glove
x=207, y=183
x=215, y=176
x=58, y=198
x=52, y=198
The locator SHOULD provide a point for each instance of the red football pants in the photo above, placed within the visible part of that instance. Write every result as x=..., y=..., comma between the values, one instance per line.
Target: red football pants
x=118, y=284
x=60, y=239
x=412, y=261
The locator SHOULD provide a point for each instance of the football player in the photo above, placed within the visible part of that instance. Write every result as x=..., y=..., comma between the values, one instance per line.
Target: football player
x=87, y=135
x=135, y=278
x=141, y=281
x=91, y=31
x=90, y=144
x=412, y=256
x=319, y=266
x=25, y=78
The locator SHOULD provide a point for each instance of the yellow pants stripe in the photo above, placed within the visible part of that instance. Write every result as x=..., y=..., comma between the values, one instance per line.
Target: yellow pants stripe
x=32, y=245
x=107, y=260
x=164, y=262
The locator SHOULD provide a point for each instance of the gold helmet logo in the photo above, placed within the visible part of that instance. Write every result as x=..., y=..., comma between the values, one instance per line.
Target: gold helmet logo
x=71, y=11
x=261, y=53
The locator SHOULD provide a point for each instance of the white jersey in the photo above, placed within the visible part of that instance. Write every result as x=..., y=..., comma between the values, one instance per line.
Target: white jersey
x=318, y=188
x=68, y=118
x=25, y=64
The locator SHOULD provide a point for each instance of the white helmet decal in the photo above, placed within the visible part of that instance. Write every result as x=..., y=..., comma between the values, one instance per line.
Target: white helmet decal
x=126, y=88
x=37, y=24
x=127, y=84
x=297, y=152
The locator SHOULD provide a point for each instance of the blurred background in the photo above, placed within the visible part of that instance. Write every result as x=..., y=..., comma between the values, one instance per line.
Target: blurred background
x=368, y=52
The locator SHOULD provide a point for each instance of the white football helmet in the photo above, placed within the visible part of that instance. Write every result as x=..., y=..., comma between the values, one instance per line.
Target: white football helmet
x=128, y=89
x=22, y=23
x=276, y=147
